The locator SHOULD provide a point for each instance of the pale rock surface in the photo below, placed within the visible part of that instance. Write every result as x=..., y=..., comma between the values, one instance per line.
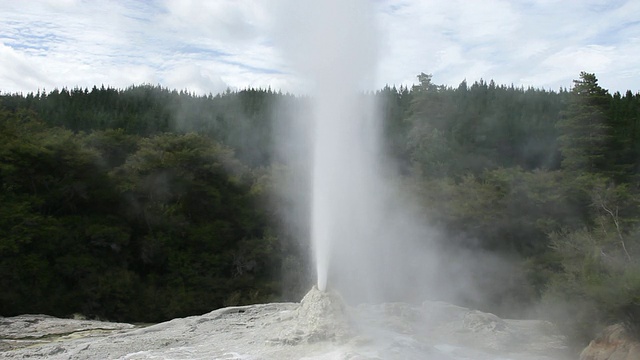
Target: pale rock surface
x=614, y=343
x=322, y=326
x=25, y=330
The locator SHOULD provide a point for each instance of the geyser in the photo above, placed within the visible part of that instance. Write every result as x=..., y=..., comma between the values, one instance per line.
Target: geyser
x=343, y=167
x=335, y=51
x=370, y=242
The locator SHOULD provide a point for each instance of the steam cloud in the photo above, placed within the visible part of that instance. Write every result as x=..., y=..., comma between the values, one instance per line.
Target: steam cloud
x=355, y=228
x=369, y=241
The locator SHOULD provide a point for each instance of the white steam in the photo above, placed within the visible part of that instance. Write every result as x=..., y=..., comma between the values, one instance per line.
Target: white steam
x=363, y=242
x=332, y=44
x=369, y=241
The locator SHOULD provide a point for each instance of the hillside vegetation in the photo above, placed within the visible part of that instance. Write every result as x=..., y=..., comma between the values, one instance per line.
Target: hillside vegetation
x=145, y=204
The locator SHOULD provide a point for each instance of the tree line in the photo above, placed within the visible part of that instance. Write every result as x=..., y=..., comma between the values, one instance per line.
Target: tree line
x=143, y=204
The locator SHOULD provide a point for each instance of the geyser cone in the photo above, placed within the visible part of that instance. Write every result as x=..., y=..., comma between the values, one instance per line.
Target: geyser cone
x=322, y=316
x=322, y=304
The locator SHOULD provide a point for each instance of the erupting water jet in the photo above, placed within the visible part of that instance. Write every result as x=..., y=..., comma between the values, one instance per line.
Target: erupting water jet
x=344, y=137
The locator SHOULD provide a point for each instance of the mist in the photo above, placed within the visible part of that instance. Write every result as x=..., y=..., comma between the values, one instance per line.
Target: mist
x=145, y=204
x=369, y=239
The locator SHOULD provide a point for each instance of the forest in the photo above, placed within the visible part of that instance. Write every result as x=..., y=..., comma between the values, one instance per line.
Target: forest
x=144, y=204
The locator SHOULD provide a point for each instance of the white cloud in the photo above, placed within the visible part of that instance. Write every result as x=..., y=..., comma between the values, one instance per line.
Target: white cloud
x=18, y=72
x=227, y=21
x=195, y=78
x=538, y=43
x=209, y=45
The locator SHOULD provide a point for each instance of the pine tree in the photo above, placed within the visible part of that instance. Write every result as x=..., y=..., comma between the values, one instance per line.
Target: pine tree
x=584, y=127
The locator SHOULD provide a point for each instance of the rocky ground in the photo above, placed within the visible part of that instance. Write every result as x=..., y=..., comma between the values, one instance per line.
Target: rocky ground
x=613, y=343
x=32, y=330
x=320, y=327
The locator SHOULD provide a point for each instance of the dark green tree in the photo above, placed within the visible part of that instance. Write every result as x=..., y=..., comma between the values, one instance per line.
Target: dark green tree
x=584, y=127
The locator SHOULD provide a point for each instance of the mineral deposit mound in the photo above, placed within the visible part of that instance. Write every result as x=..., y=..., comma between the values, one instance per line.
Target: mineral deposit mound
x=321, y=326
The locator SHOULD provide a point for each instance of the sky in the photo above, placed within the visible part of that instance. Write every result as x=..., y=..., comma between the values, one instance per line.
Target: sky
x=207, y=46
